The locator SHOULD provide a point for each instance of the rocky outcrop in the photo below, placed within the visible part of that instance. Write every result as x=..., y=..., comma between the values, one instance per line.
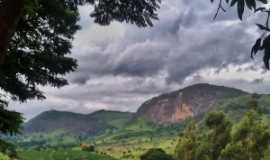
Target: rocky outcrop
x=179, y=105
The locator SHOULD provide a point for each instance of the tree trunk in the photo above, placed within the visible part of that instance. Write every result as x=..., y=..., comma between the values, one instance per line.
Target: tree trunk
x=10, y=13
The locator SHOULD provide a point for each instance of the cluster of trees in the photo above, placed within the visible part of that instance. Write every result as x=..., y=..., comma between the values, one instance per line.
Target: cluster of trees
x=219, y=139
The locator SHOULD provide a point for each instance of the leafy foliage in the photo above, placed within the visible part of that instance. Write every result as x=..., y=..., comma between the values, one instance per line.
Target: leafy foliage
x=250, y=138
x=263, y=42
x=4, y=157
x=188, y=143
x=10, y=121
x=37, y=53
x=247, y=139
x=156, y=154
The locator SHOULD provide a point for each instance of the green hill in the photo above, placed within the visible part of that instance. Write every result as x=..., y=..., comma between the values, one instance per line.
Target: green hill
x=79, y=124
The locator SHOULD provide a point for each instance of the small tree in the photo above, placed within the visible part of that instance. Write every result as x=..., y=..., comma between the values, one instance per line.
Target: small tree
x=188, y=143
x=87, y=147
x=156, y=154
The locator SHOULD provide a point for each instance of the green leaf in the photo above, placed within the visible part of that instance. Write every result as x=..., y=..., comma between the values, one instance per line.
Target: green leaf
x=251, y=4
x=256, y=47
x=261, y=9
x=266, y=58
x=241, y=8
x=233, y=2
x=266, y=46
x=262, y=27
x=264, y=1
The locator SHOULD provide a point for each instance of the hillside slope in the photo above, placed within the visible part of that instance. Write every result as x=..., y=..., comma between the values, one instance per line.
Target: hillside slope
x=173, y=107
x=88, y=124
x=188, y=102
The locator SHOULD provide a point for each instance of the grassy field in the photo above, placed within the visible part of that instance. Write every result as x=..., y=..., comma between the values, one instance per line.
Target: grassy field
x=61, y=154
x=133, y=149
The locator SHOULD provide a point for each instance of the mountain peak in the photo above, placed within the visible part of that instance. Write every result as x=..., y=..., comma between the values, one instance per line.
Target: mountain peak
x=188, y=102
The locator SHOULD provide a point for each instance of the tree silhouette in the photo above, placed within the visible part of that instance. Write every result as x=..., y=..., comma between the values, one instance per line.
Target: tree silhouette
x=263, y=42
x=36, y=37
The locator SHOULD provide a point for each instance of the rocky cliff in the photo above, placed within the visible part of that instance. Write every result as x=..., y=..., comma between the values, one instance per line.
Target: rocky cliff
x=188, y=102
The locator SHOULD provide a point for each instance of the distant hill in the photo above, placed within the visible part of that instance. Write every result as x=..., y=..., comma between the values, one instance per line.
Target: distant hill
x=89, y=124
x=170, y=108
x=188, y=102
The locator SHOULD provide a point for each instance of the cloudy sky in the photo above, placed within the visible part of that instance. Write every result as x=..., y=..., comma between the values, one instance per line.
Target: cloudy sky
x=121, y=66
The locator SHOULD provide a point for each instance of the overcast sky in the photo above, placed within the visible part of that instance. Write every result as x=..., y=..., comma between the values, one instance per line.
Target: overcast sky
x=121, y=66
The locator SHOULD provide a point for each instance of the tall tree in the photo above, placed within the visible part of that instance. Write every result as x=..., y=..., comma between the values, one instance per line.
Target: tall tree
x=217, y=136
x=250, y=138
x=40, y=40
x=188, y=143
x=36, y=38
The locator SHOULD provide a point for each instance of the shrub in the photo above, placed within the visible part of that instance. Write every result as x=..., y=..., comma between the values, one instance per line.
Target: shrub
x=4, y=157
x=156, y=154
x=87, y=147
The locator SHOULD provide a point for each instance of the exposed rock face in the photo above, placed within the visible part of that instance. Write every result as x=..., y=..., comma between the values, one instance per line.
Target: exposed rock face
x=192, y=101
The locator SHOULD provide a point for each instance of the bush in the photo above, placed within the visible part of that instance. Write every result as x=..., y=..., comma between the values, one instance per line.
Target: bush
x=156, y=154
x=87, y=147
x=4, y=157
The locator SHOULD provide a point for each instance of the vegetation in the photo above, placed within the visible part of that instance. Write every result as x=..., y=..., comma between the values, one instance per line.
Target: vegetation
x=263, y=42
x=4, y=157
x=36, y=37
x=156, y=154
x=205, y=138
x=247, y=139
x=61, y=154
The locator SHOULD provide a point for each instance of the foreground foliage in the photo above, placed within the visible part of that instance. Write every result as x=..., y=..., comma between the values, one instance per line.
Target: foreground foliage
x=4, y=157
x=219, y=139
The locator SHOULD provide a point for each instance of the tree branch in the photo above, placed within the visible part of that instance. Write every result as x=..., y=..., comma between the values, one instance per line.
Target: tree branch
x=10, y=13
x=220, y=7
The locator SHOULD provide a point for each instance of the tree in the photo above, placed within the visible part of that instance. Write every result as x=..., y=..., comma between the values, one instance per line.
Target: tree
x=156, y=154
x=206, y=142
x=140, y=12
x=263, y=42
x=188, y=143
x=36, y=38
x=217, y=136
x=37, y=50
x=249, y=138
x=9, y=121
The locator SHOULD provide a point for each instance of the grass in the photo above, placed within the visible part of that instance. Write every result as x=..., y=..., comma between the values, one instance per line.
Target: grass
x=61, y=154
x=131, y=148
